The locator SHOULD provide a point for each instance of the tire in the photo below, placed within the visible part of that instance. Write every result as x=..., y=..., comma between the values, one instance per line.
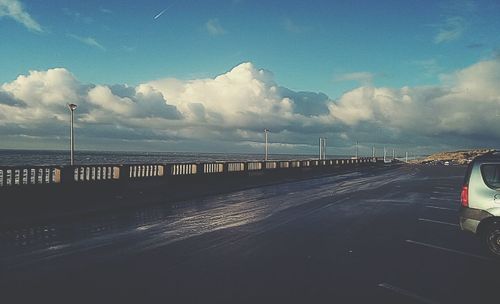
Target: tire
x=491, y=239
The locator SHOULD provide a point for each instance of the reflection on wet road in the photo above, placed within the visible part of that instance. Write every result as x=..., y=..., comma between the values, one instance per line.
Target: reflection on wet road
x=385, y=235
x=135, y=230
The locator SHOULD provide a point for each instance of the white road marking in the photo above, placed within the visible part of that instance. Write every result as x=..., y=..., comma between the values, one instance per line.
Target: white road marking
x=443, y=199
x=406, y=293
x=452, y=250
x=444, y=188
x=441, y=208
x=445, y=192
x=437, y=222
x=390, y=201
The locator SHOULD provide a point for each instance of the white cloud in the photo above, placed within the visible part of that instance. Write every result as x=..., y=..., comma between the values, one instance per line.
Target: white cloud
x=14, y=9
x=236, y=106
x=214, y=27
x=244, y=97
x=365, y=78
x=77, y=16
x=88, y=41
x=105, y=10
x=452, y=29
x=294, y=28
x=465, y=104
x=117, y=111
x=44, y=87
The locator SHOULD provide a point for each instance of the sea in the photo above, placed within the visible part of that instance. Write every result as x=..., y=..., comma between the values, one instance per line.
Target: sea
x=57, y=157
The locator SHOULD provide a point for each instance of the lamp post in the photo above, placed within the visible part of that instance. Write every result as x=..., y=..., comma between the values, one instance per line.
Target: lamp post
x=324, y=147
x=266, y=131
x=357, y=149
x=72, y=108
x=320, y=148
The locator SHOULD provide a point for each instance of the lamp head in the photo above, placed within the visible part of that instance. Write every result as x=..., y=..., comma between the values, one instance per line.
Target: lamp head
x=72, y=106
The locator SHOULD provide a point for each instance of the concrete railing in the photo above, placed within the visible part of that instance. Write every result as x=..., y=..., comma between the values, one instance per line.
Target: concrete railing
x=95, y=173
x=213, y=168
x=252, y=166
x=140, y=171
x=183, y=169
x=47, y=175
x=235, y=167
x=16, y=176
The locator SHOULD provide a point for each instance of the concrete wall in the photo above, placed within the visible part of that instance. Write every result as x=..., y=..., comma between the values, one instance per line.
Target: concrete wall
x=34, y=192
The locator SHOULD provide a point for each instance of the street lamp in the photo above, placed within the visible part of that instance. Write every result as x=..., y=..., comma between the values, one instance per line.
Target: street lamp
x=357, y=149
x=72, y=108
x=322, y=147
x=266, y=131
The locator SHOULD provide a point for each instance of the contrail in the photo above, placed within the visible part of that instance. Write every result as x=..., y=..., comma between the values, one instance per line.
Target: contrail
x=161, y=13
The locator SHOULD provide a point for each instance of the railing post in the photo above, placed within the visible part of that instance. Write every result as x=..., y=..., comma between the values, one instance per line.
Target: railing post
x=68, y=174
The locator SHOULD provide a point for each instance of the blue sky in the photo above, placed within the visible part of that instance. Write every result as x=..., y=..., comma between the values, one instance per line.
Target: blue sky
x=330, y=47
x=307, y=44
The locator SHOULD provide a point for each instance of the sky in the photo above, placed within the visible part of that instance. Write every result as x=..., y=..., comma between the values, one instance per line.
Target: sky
x=209, y=76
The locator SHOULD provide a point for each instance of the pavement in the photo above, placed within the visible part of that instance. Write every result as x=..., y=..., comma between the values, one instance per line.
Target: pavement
x=385, y=235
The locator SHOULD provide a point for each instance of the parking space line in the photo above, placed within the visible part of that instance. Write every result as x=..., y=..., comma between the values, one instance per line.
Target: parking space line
x=445, y=188
x=443, y=199
x=441, y=208
x=437, y=222
x=451, y=250
x=406, y=293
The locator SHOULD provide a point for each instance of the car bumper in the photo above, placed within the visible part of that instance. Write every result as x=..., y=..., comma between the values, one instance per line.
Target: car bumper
x=470, y=218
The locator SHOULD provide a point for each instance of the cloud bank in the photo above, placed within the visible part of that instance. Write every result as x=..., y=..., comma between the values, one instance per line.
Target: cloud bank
x=230, y=111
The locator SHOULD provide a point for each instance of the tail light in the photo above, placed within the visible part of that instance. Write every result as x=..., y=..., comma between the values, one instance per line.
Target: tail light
x=464, y=196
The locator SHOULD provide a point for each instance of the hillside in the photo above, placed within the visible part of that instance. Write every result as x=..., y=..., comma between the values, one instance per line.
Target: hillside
x=456, y=157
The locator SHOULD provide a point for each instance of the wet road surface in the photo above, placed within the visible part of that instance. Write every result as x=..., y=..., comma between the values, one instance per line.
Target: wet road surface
x=388, y=235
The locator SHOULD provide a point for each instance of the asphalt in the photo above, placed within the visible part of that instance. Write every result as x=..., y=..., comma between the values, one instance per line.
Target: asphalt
x=386, y=235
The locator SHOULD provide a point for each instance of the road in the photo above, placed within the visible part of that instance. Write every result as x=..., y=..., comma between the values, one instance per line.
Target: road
x=386, y=235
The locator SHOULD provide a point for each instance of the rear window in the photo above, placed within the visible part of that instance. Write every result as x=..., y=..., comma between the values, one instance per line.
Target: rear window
x=491, y=175
x=468, y=173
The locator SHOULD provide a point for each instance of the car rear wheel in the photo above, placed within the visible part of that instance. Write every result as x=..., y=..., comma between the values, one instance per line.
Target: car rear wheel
x=491, y=239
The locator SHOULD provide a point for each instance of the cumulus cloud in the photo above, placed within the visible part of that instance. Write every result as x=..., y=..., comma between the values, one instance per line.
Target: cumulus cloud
x=464, y=105
x=40, y=98
x=237, y=105
x=214, y=28
x=139, y=102
x=14, y=9
x=243, y=98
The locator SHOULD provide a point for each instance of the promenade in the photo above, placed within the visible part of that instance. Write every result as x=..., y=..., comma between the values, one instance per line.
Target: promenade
x=384, y=235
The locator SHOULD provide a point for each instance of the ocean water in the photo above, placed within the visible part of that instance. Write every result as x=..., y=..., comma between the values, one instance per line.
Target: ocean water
x=47, y=157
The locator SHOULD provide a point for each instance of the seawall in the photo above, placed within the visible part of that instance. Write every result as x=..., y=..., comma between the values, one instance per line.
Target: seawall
x=30, y=193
